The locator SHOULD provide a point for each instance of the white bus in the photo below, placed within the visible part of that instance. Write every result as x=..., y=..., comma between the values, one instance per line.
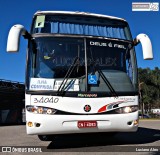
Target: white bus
x=81, y=73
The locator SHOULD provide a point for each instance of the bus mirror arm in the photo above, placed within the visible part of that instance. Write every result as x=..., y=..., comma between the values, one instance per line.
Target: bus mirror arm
x=27, y=35
x=14, y=37
x=146, y=46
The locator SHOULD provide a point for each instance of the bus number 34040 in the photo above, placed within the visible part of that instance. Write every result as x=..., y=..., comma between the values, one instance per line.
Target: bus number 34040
x=46, y=100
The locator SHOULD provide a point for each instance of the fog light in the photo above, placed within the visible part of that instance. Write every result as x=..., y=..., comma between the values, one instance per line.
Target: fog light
x=30, y=124
x=129, y=123
x=38, y=124
x=135, y=122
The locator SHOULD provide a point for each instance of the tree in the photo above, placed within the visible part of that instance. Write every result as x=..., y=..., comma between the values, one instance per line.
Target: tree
x=150, y=88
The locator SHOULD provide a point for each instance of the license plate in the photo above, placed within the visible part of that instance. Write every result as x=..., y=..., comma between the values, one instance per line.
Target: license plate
x=87, y=124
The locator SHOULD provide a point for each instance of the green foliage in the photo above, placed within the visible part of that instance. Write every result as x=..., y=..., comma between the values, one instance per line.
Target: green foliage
x=149, y=85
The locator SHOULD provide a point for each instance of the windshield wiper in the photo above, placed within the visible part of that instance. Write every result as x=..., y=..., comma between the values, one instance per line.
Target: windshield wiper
x=62, y=86
x=113, y=92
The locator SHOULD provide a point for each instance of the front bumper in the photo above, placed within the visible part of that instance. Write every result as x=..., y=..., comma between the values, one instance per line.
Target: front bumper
x=63, y=124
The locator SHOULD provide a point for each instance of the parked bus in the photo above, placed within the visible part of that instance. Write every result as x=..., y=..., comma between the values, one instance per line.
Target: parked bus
x=81, y=73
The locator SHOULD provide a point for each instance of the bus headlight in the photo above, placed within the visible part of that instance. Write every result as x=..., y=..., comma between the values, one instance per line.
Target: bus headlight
x=128, y=109
x=41, y=110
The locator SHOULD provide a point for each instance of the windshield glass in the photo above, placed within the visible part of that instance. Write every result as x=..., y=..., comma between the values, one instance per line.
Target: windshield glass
x=95, y=61
x=54, y=56
x=113, y=59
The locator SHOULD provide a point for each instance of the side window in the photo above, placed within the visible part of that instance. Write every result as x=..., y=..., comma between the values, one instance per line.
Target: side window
x=129, y=68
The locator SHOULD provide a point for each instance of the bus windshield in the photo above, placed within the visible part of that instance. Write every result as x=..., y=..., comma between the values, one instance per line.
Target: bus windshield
x=52, y=57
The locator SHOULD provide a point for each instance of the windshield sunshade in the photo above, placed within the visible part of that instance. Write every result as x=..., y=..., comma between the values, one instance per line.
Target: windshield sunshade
x=82, y=26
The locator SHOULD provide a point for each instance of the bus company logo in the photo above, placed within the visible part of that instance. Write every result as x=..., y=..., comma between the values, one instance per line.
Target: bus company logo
x=87, y=108
x=87, y=95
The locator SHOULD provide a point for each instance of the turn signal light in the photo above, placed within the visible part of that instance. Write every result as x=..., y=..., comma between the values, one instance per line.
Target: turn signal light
x=135, y=122
x=30, y=124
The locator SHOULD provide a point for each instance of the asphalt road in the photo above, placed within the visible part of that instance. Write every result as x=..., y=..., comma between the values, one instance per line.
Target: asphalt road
x=145, y=141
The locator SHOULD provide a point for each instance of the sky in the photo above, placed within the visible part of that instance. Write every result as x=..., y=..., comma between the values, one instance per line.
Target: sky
x=12, y=65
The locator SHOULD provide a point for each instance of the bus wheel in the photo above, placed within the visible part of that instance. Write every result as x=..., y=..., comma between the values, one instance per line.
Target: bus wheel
x=108, y=134
x=111, y=134
x=43, y=137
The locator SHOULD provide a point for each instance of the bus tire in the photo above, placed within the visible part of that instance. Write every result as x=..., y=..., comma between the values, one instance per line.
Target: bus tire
x=111, y=134
x=43, y=137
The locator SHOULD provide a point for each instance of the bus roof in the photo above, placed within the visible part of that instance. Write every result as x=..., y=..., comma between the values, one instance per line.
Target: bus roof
x=78, y=13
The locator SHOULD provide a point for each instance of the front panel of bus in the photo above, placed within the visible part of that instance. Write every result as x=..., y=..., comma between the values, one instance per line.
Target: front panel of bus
x=81, y=76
